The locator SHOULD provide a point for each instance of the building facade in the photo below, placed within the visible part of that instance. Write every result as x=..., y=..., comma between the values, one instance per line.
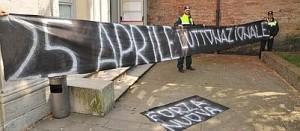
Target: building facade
x=22, y=103
x=287, y=12
x=96, y=10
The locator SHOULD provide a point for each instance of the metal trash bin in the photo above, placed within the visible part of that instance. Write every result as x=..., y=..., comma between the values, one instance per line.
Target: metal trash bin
x=59, y=97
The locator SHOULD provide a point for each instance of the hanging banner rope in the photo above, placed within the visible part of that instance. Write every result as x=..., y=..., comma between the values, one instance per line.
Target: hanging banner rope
x=36, y=46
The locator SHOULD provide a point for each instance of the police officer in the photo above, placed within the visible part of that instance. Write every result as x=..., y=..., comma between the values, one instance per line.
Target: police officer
x=185, y=20
x=273, y=29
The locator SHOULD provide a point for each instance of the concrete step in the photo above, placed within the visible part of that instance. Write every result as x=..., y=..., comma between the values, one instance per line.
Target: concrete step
x=90, y=96
x=122, y=84
x=96, y=93
x=80, y=75
x=109, y=75
x=122, y=78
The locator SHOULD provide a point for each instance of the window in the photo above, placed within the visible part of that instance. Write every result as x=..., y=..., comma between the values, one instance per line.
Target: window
x=132, y=10
x=66, y=8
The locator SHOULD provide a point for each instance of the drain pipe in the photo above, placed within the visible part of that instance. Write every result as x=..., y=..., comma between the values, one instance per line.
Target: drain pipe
x=218, y=13
x=218, y=16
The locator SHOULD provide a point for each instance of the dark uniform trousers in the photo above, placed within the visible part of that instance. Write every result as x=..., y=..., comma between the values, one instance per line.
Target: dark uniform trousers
x=188, y=62
x=268, y=42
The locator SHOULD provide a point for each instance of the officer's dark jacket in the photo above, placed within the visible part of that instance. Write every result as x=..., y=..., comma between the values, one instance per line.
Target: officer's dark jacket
x=273, y=27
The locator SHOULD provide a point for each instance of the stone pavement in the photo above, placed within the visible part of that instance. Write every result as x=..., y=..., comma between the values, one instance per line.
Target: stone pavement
x=258, y=98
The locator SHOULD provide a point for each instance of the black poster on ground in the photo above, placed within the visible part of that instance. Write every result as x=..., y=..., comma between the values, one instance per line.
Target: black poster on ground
x=37, y=46
x=184, y=113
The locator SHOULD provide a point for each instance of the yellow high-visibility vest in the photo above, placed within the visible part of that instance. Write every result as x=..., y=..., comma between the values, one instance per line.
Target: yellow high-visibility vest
x=271, y=23
x=186, y=20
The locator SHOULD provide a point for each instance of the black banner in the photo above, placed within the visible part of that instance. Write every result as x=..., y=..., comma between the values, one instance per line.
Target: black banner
x=184, y=113
x=36, y=46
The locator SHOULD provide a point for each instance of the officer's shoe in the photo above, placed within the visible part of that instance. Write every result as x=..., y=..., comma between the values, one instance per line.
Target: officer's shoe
x=190, y=68
x=181, y=70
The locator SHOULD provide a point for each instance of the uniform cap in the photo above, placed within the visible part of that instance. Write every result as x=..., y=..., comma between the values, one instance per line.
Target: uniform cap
x=270, y=13
x=187, y=8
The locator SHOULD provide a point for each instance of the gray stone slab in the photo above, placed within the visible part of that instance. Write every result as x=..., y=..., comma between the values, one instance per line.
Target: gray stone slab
x=22, y=105
x=139, y=70
x=121, y=87
x=109, y=75
x=124, y=83
x=90, y=96
x=16, y=89
x=24, y=121
x=81, y=75
x=88, y=83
